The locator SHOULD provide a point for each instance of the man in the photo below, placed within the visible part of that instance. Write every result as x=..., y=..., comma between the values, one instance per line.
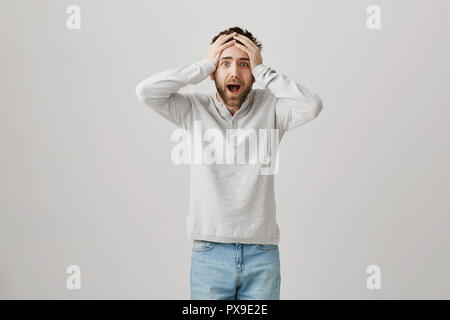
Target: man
x=231, y=218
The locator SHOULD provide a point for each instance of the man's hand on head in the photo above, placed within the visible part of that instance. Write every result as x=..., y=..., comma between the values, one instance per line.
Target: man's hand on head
x=250, y=48
x=216, y=48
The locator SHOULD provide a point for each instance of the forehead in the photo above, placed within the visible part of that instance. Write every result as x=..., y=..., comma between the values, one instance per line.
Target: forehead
x=234, y=52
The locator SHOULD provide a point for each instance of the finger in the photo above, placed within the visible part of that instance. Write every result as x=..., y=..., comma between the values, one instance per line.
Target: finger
x=246, y=41
x=223, y=38
x=227, y=45
x=243, y=48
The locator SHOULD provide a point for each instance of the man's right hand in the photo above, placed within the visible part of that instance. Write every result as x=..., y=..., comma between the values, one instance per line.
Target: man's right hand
x=216, y=48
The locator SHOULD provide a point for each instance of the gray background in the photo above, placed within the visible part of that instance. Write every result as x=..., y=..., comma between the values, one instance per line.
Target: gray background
x=85, y=170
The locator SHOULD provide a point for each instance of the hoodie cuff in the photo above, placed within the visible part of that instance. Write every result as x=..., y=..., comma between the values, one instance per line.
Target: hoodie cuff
x=211, y=67
x=258, y=70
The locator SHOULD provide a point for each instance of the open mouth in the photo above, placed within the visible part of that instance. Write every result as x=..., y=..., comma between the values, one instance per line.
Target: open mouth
x=234, y=88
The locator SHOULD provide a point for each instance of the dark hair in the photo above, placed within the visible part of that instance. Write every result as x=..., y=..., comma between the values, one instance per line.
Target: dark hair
x=243, y=32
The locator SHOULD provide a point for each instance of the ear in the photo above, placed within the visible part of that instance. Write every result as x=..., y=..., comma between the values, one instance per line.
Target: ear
x=211, y=76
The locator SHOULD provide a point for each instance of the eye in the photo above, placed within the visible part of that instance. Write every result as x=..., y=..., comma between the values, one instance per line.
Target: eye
x=245, y=64
x=223, y=63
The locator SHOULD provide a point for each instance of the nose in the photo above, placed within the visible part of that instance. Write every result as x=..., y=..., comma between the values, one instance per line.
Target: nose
x=234, y=71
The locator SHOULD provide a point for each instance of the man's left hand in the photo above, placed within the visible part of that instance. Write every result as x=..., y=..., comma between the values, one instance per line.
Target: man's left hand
x=250, y=48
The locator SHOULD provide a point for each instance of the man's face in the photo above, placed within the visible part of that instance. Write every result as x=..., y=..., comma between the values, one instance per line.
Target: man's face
x=233, y=68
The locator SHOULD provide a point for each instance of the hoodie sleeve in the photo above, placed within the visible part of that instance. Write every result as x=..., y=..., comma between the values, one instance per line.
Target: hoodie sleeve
x=160, y=91
x=295, y=103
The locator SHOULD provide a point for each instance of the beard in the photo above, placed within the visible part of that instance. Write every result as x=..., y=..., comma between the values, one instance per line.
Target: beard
x=228, y=98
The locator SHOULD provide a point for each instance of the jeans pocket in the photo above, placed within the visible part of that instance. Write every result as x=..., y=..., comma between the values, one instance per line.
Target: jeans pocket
x=267, y=247
x=202, y=245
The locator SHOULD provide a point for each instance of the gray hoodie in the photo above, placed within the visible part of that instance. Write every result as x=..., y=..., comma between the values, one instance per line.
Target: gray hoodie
x=231, y=200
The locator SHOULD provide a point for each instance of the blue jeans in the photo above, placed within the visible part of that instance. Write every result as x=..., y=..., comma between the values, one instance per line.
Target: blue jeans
x=229, y=271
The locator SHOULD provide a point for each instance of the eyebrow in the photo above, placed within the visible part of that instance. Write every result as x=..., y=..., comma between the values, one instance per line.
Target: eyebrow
x=247, y=59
